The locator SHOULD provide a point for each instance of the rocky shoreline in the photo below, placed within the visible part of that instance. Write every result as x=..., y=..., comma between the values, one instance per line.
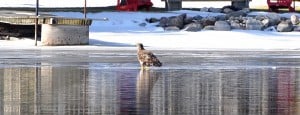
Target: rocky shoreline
x=231, y=19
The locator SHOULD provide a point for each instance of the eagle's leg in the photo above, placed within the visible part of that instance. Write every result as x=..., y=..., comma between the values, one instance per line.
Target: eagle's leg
x=144, y=67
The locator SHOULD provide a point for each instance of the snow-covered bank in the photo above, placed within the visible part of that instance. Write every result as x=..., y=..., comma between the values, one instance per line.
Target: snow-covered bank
x=122, y=30
x=126, y=31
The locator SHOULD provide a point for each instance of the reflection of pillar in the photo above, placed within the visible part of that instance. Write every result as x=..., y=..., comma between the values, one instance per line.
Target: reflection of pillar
x=285, y=97
x=254, y=91
x=102, y=96
x=265, y=90
x=229, y=92
x=18, y=90
x=297, y=93
x=1, y=91
x=62, y=90
x=127, y=92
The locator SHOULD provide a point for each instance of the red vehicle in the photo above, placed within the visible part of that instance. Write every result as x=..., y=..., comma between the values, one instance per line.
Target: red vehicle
x=133, y=5
x=274, y=5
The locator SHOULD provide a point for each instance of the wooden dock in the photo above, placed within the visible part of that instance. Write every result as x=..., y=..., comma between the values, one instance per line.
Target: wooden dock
x=52, y=30
x=28, y=18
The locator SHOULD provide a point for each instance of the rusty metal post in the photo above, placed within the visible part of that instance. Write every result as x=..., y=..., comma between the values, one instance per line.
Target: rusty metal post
x=36, y=22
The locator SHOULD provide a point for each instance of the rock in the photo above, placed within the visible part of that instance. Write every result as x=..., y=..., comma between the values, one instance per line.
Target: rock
x=204, y=9
x=163, y=22
x=265, y=22
x=296, y=28
x=253, y=24
x=274, y=19
x=152, y=20
x=236, y=14
x=271, y=29
x=221, y=18
x=214, y=10
x=209, y=28
x=285, y=26
x=208, y=21
x=227, y=10
x=193, y=27
x=235, y=25
x=294, y=19
x=260, y=17
x=197, y=17
x=222, y=26
x=177, y=21
x=188, y=20
x=142, y=24
x=172, y=28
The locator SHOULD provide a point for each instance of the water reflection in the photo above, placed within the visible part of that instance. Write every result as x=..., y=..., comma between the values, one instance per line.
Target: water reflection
x=73, y=90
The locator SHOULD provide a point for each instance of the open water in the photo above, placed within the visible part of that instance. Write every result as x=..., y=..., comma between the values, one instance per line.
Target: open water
x=70, y=82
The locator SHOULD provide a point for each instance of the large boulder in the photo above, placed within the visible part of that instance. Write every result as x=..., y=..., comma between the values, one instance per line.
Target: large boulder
x=163, y=22
x=188, y=20
x=274, y=19
x=193, y=27
x=197, y=17
x=177, y=21
x=222, y=26
x=210, y=20
x=285, y=26
x=253, y=24
x=221, y=17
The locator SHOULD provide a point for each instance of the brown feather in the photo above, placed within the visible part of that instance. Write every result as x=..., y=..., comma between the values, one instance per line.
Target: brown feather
x=147, y=58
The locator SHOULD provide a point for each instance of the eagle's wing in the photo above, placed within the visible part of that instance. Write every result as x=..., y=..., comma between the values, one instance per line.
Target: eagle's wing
x=148, y=59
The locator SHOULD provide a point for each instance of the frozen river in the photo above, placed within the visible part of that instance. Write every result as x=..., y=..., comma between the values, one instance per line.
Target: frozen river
x=111, y=82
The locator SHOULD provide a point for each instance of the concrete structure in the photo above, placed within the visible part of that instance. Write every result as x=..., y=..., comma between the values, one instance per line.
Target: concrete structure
x=54, y=30
x=55, y=34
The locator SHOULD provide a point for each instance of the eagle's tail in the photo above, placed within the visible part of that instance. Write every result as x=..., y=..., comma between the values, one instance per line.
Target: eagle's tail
x=157, y=64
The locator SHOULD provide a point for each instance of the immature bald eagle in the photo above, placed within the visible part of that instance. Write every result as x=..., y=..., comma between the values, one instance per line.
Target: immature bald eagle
x=147, y=58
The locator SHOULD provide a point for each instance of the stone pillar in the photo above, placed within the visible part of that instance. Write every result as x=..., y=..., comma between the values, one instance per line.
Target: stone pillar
x=54, y=34
x=240, y=4
x=173, y=4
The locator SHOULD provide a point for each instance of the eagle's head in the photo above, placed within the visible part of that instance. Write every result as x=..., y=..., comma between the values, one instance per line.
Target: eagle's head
x=140, y=46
